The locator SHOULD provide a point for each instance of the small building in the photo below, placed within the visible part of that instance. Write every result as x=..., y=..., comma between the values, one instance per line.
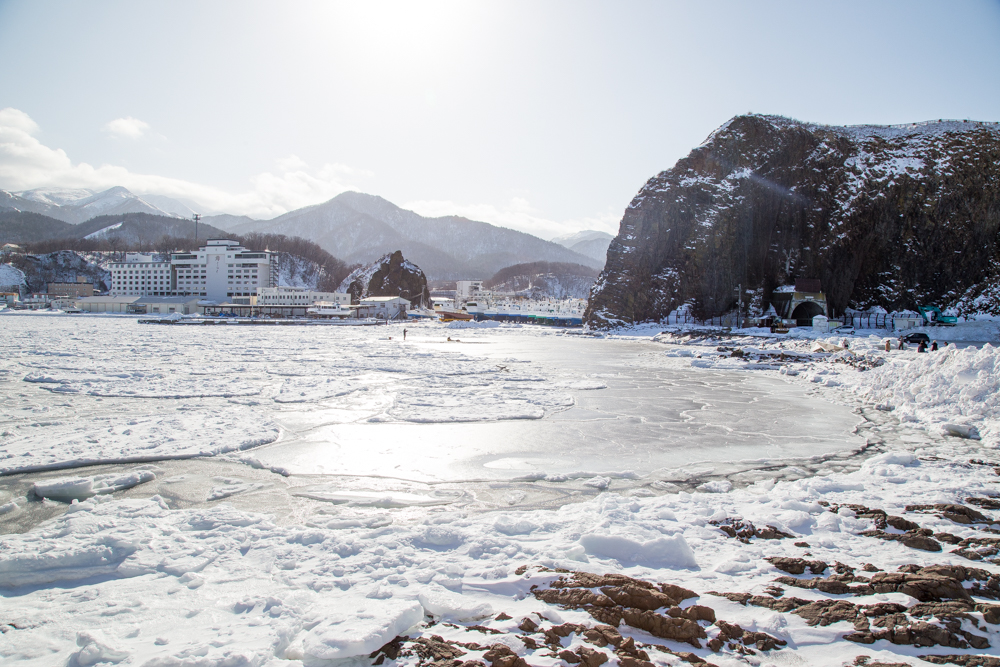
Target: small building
x=37, y=301
x=802, y=303
x=164, y=305
x=299, y=296
x=467, y=289
x=65, y=303
x=105, y=304
x=82, y=287
x=10, y=298
x=384, y=307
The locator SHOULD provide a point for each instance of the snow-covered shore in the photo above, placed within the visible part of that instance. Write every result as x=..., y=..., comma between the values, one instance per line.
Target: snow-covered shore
x=131, y=581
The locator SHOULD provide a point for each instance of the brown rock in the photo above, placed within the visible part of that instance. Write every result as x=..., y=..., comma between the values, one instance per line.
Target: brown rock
x=637, y=597
x=569, y=656
x=608, y=615
x=949, y=609
x=602, y=635
x=829, y=585
x=591, y=658
x=527, y=625
x=956, y=513
x=629, y=661
x=883, y=609
x=664, y=627
x=573, y=597
x=921, y=542
x=797, y=565
x=390, y=651
x=697, y=612
x=503, y=617
x=985, y=503
x=923, y=587
x=899, y=523
x=436, y=649
x=501, y=655
x=588, y=580
x=825, y=612
x=991, y=613
x=964, y=660
x=677, y=593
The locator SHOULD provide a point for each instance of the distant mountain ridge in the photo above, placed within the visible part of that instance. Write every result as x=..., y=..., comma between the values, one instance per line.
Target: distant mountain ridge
x=590, y=242
x=78, y=205
x=355, y=227
x=360, y=228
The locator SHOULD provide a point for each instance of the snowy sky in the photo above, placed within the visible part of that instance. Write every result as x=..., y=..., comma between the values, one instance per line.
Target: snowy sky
x=542, y=116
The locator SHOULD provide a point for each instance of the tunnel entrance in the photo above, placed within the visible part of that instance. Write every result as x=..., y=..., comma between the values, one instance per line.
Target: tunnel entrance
x=805, y=312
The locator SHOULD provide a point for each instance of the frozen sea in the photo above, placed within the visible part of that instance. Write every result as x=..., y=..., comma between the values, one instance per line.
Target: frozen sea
x=358, y=416
x=241, y=496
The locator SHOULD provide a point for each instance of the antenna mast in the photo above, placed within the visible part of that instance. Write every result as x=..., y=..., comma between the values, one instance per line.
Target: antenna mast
x=197, y=217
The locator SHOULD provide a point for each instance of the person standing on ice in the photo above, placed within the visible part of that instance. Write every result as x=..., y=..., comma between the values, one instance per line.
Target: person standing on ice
x=922, y=348
x=934, y=346
x=404, y=334
x=888, y=345
x=902, y=344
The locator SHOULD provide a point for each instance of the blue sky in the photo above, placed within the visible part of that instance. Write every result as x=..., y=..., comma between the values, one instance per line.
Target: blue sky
x=542, y=116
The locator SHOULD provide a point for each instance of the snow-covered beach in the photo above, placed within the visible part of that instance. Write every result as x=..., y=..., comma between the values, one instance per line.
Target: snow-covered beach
x=348, y=488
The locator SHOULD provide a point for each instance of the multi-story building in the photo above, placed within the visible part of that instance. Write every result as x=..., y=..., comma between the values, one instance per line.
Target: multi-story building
x=299, y=296
x=81, y=288
x=467, y=289
x=220, y=270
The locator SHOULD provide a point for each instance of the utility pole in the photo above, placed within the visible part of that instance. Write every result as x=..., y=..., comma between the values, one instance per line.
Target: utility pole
x=739, y=304
x=197, y=217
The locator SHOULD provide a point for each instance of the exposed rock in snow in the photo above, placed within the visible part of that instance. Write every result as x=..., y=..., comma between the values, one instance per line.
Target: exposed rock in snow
x=390, y=275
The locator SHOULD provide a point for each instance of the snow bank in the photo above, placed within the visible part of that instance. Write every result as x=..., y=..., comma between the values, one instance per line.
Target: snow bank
x=80, y=488
x=357, y=630
x=954, y=389
x=472, y=324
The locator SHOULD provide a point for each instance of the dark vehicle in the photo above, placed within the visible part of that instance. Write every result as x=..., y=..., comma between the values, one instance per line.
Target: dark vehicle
x=917, y=337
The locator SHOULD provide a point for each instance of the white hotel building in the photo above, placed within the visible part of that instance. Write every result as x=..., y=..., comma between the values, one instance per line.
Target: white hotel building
x=220, y=270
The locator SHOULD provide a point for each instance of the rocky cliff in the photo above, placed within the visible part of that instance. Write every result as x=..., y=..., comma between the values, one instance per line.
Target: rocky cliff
x=390, y=275
x=893, y=216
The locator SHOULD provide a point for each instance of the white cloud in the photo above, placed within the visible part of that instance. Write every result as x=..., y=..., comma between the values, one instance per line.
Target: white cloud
x=26, y=163
x=517, y=214
x=129, y=128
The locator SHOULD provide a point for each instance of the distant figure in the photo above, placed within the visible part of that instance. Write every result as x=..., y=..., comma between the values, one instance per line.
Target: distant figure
x=902, y=344
x=934, y=347
x=944, y=343
x=888, y=345
x=922, y=347
x=449, y=339
x=404, y=334
x=843, y=344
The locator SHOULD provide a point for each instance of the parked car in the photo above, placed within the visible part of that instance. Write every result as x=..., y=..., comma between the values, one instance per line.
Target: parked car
x=844, y=330
x=916, y=338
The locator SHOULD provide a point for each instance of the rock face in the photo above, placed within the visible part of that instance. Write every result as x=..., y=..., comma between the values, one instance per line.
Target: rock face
x=390, y=275
x=893, y=217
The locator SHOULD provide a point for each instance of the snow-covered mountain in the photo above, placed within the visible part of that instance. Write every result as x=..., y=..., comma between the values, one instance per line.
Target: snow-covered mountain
x=544, y=280
x=360, y=228
x=590, y=242
x=79, y=205
x=888, y=217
